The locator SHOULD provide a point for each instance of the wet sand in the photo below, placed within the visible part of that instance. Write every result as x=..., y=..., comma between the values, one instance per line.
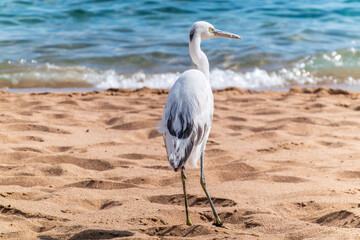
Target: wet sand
x=90, y=165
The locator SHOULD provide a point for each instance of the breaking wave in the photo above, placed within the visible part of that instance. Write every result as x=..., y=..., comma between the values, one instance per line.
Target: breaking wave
x=338, y=67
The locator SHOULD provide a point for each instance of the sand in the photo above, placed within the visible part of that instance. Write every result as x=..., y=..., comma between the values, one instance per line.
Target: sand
x=90, y=165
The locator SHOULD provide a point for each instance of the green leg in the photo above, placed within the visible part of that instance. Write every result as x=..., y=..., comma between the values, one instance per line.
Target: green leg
x=183, y=178
x=217, y=222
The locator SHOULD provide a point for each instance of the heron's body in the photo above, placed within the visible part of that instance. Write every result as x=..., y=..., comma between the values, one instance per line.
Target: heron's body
x=187, y=118
x=188, y=111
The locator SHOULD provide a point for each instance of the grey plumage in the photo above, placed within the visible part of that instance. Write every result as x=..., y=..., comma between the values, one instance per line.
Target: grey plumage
x=191, y=35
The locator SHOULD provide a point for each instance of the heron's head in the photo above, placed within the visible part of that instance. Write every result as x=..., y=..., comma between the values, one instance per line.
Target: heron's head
x=207, y=31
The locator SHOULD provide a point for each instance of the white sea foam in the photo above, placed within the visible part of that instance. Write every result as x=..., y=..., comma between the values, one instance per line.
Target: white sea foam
x=313, y=70
x=219, y=79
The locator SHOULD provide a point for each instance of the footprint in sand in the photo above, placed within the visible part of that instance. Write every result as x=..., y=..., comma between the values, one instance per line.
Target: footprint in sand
x=236, y=118
x=246, y=218
x=332, y=144
x=195, y=231
x=39, y=128
x=136, y=125
x=153, y=181
x=24, y=181
x=343, y=218
x=267, y=150
x=140, y=156
x=27, y=149
x=135, y=156
x=42, y=107
x=307, y=207
x=18, y=157
x=266, y=128
x=286, y=179
x=267, y=112
x=8, y=210
x=149, y=221
x=23, y=196
x=26, y=113
x=110, y=204
x=159, y=167
x=349, y=174
x=284, y=146
x=237, y=127
x=101, y=234
x=33, y=138
x=99, y=204
x=59, y=149
x=69, y=102
x=53, y=171
x=60, y=116
x=100, y=184
x=114, y=120
x=91, y=164
x=193, y=201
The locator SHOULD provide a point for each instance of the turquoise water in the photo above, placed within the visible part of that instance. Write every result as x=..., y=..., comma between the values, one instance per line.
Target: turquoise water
x=130, y=44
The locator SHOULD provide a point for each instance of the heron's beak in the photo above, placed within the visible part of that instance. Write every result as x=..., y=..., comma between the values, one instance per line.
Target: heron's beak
x=220, y=33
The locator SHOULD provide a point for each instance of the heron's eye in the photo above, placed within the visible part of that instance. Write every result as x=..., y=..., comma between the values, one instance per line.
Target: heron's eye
x=211, y=30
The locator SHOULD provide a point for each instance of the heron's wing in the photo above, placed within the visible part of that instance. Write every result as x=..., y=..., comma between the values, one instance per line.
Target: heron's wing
x=180, y=135
x=187, y=118
x=184, y=131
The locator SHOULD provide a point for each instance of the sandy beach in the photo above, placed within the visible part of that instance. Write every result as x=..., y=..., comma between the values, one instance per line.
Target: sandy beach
x=91, y=165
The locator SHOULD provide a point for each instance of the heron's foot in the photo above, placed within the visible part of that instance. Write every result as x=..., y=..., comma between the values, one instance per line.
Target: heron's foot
x=221, y=224
x=188, y=222
x=218, y=223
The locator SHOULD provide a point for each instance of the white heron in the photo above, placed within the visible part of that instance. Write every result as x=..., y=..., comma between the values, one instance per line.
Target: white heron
x=188, y=112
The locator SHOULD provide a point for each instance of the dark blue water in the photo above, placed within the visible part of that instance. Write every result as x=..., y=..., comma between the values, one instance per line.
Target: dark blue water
x=99, y=43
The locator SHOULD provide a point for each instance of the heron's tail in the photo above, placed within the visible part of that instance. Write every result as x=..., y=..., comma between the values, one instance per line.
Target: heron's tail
x=178, y=150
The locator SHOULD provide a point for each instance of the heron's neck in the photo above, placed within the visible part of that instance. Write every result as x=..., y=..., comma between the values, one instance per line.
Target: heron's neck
x=198, y=56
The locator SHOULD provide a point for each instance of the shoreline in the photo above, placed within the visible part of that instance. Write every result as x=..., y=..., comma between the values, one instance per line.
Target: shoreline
x=278, y=165
x=94, y=89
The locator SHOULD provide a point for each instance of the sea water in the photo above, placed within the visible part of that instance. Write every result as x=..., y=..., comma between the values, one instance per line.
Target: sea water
x=99, y=44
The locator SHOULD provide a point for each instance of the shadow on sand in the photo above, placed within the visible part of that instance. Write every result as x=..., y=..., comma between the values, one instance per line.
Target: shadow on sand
x=94, y=234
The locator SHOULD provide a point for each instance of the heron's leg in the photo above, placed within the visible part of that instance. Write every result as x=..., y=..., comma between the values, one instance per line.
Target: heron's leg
x=183, y=178
x=217, y=222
